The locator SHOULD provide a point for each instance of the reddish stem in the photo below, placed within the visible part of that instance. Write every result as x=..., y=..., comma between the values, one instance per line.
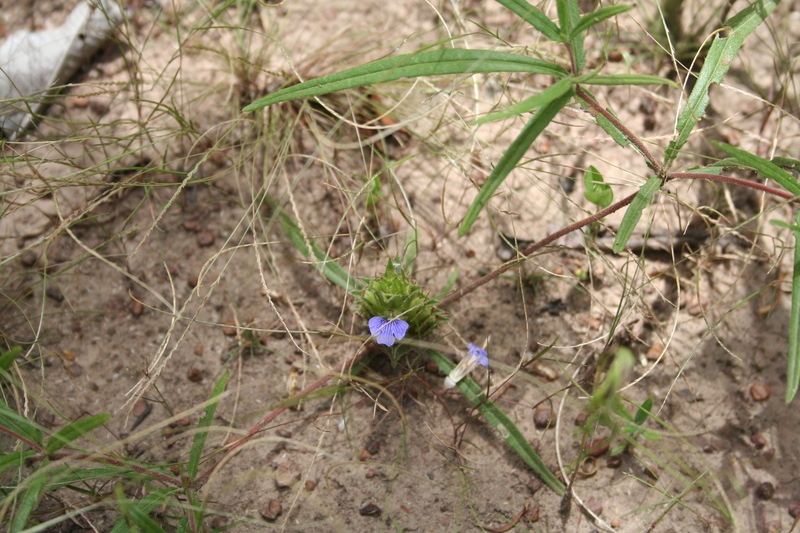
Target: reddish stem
x=734, y=181
x=583, y=95
x=535, y=247
x=101, y=459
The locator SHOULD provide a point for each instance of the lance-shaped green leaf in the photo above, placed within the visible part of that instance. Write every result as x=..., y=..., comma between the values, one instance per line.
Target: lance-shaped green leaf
x=559, y=88
x=29, y=501
x=19, y=425
x=793, y=370
x=628, y=79
x=430, y=63
x=597, y=191
x=7, y=359
x=72, y=431
x=590, y=19
x=634, y=212
x=717, y=62
x=764, y=167
x=569, y=16
x=498, y=420
x=511, y=157
x=535, y=17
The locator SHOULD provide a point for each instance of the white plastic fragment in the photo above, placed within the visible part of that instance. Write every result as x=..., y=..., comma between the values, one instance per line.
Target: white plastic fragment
x=32, y=63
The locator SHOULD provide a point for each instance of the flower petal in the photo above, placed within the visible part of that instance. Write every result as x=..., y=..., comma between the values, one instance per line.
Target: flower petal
x=377, y=325
x=397, y=328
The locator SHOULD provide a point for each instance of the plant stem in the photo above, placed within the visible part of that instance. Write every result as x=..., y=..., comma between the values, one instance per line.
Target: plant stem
x=583, y=95
x=535, y=247
x=734, y=181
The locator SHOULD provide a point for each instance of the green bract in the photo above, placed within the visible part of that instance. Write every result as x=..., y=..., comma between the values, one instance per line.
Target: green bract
x=395, y=295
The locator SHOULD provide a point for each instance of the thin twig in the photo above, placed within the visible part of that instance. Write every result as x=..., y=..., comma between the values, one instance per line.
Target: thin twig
x=534, y=248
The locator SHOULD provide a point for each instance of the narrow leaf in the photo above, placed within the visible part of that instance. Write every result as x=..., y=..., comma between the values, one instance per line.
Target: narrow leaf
x=16, y=458
x=643, y=412
x=716, y=64
x=535, y=17
x=7, y=358
x=511, y=157
x=430, y=63
x=73, y=431
x=498, y=420
x=590, y=19
x=634, y=212
x=146, y=504
x=628, y=79
x=29, y=501
x=569, y=16
x=202, y=434
x=559, y=88
x=19, y=424
x=597, y=191
x=793, y=369
x=764, y=167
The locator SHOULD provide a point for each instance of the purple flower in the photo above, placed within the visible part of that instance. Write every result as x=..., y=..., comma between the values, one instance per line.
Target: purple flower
x=387, y=330
x=476, y=356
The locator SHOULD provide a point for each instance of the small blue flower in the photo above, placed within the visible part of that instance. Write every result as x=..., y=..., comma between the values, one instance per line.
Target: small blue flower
x=476, y=356
x=387, y=330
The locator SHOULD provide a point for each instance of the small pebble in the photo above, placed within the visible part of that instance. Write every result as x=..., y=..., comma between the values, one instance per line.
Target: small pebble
x=218, y=522
x=140, y=407
x=534, y=444
x=75, y=370
x=198, y=349
x=760, y=392
x=272, y=510
x=182, y=422
x=614, y=522
x=431, y=367
x=373, y=447
x=310, y=485
x=284, y=434
x=614, y=56
x=229, y=329
x=370, y=473
x=534, y=484
x=205, y=238
x=469, y=253
x=190, y=225
x=137, y=308
x=542, y=417
x=54, y=293
x=614, y=461
x=364, y=455
x=532, y=514
x=370, y=509
x=655, y=351
x=769, y=453
x=758, y=440
x=596, y=448
x=765, y=491
x=581, y=419
x=191, y=281
x=195, y=375
x=595, y=506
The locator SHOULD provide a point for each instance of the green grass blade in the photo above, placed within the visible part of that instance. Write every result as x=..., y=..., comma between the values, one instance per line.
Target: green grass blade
x=430, y=63
x=535, y=17
x=559, y=88
x=73, y=431
x=329, y=268
x=202, y=434
x=20, y=425
x=590, y=19
x=146, y=504
x=717, y=62
x=793, y=371
x=7, y=358
x=498, y=420
x=16, y=458
x=509, y=161
x=137, y=517
x=764, y=167
x=628, y=79
x=28, y=503
x=634, y=212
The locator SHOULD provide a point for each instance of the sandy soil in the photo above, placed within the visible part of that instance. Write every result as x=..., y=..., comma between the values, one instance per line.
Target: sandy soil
x=156, y=286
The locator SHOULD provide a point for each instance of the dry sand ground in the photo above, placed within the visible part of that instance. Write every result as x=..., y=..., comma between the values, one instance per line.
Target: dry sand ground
x=166, y=99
